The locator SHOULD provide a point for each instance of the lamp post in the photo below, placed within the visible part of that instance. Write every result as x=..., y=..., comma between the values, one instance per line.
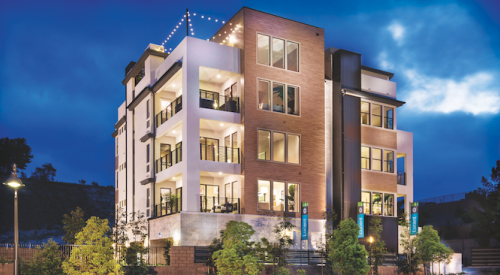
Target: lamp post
x=371, y=253
x=14, y=182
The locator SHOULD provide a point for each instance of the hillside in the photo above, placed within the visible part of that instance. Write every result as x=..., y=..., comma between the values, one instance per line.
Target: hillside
x=42, y=205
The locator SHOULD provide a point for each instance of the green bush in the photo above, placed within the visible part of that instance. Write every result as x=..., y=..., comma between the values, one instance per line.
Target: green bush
x=47, y=260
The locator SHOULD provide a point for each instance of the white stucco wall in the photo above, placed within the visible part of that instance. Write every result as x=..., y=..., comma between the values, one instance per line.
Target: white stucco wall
x=405, y=145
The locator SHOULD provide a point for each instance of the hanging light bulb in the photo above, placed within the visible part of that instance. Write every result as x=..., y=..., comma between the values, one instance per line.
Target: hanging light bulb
x=215, y=20
x=223, y=22
x=202, y=16
x=194, y=14
x=192, y=33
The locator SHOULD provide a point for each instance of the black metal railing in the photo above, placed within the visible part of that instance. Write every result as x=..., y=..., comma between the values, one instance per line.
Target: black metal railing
x=173, y=108
x=401, y=178
x=213, y=100
x=170, y=159
x=219, y=153
x=219, y=205
x=139, y=77
x=170, y=207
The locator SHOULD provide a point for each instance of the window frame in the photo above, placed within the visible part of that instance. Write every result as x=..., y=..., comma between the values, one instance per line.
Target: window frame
x=285, y=97
x=270, y=52
x=394, y=195
x=382, y=160
x=383, y=117
x=271, y=147
x=271, y=199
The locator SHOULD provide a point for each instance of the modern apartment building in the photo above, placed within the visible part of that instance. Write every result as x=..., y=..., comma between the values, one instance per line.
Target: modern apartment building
x=250, y=123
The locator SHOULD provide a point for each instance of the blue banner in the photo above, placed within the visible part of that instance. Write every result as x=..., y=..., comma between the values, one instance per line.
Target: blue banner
x=414, y=219
x=304, y=221
x=361, y=220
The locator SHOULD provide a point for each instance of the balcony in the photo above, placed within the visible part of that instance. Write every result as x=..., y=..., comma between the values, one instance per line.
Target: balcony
x=219, y=205
x=169, y=159
x=215, y=101
x=173, y=108
x=173, y=206
x=401, y=178
x=219, y=153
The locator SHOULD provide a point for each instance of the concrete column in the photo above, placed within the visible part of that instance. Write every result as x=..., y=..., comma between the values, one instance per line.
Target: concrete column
x=190, y=132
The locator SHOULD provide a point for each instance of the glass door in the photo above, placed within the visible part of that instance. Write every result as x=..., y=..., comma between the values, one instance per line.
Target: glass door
x=209, y=149
x=209, y=198
x=164, y=200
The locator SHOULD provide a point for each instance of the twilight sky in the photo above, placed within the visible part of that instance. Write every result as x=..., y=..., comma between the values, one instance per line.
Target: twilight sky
x=62, y=62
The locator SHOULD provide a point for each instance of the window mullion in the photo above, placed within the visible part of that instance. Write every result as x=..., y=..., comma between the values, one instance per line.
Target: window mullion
x=286, y=197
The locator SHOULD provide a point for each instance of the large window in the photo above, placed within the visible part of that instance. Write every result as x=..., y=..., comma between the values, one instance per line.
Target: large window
x=264, y=150
x=389, y=112
x=278, y=196
x=263, y=49
x=377, y=115
x=264, y=94
x=365, y=198
x=380, y=203
x=365, y=157
x=377, y=159
x=293, y=100
x=279, y=53
x=284, y=98
x=279, y=147
x=284, y=147
x=365, y=113
x=388, y=161
x=283, y=196
x=388, y=205
x=293, y=149
x=377, y=203
x=264, y=197
x=293, y=197
x=292, y=60
x=278, y=97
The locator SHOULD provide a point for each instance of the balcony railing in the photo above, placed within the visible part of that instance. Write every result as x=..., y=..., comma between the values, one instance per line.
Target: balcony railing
x=401, y=178
x=215, y=101
x=168, y=208
x=167, y=161
x=219, y=205
x=173, y=108
x=219, y=153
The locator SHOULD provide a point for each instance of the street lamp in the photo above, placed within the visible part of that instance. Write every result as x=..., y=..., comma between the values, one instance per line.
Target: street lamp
x=14, y=182
x=371, y=253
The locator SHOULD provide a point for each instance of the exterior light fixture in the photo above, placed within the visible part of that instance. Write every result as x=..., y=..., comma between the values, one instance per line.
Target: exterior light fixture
x=14, y=182
x=220, y=173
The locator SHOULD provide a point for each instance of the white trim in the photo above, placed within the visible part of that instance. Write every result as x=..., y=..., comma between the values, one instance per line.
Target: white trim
x=286, y=146
x=285, y=97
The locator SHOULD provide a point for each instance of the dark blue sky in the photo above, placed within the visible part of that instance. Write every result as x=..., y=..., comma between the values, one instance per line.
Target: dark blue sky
x=62, y=62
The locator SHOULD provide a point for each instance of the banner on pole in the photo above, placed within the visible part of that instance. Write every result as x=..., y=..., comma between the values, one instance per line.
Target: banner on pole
x=414, y=218
x=361, y=220
x=304, y=228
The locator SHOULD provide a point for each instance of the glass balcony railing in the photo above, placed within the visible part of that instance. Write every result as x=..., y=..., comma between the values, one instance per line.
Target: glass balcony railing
x=215, y=101
x=173, y=108
x=219, y=153
x=401, y=178
x=219, y=205
x=168, y=160
x=170, y=207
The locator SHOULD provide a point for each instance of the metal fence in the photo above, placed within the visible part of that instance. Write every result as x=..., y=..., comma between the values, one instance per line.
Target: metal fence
x=28, y=251
x=173, y=108
x=215, y=101
x=446, y=198
x=171, y=158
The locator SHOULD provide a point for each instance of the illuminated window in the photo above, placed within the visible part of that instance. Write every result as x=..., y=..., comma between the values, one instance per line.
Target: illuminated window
x=264, y=150
x=365, y=113
x=263, y=49
x=377, y=159
x=377, y=115
x=365, y=198
x=264, y=197
x=389, y=161
x=365, y=157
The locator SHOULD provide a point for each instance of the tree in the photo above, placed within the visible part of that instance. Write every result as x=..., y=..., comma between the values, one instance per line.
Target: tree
x=134, y=256
x=283, y=239
x=94, y=251
x=237, y=255
x=73, y=225
x=427, y=244
x=322, y=244
x=377, y=249
x=47, y=260
x=14, y=151
x=168, y=246
x=486, y=225
x=408, y=265
x=46, y=172
x=82, y=182
x=95, y=184
x=348, y=257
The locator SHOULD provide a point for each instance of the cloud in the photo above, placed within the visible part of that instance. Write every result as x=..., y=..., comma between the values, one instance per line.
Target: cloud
x=473, y=94
x=397, y=31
